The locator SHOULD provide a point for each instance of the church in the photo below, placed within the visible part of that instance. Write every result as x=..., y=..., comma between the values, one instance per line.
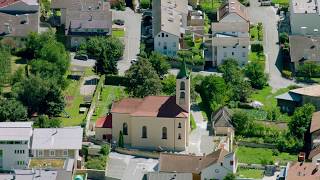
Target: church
x=155, y=122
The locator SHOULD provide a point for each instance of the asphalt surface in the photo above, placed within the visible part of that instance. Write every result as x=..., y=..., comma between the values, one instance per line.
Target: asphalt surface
x=132, y=37
x=126, y=167
x=267, y=15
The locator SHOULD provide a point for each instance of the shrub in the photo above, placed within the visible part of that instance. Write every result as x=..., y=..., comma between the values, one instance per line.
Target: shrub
x=116, y=80
x=287, y=74
x=257, y=48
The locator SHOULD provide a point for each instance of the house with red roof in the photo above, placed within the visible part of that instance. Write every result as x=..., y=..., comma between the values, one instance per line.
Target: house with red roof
x=155, y=122
x=103, y=128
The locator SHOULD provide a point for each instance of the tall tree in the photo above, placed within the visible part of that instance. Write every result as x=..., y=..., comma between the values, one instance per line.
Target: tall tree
x=12, y=110
x=44, y=121
x=5, y=66
x=169, y=85
x=308, y=70
x=159, y=63
x=255, y=72
x=143, y=79
x=241, y=121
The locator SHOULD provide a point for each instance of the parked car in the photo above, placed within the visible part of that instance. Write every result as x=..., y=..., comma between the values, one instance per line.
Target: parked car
x=133, y=61
x=81, y=57
x=119, y=22
x=265, y=2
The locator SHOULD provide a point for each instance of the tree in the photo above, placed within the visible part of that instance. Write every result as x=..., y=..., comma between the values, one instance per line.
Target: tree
x=300, y=121
x=169, y=85
x=308, y=70
x=18, y=76
x=12, y=110
x=41, y=96
x=35, y=42
x=214, y=92
x=283, y=38
x=105, y=149
x=241, y=121
x=121, y=140
x=5, y=66
x=255, y=72
x=143, y=79
x=159, y=63
x=43, y=121
x=230, y=176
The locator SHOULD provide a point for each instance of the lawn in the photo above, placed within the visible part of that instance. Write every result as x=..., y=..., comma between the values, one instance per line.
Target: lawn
x=210, y=5
x=16, y=63
x=118, y=33
x=108, y=95
x=262, y=156
x=250, y=173
x=281, y=2
x=45, y=163
x=257, y=57
x=255, y=33
x=266, y=97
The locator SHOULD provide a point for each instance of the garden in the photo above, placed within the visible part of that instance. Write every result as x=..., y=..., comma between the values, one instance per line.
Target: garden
x=250, y=173
x=256, y=32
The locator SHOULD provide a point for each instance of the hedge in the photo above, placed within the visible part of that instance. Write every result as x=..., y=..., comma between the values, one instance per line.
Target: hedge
x=116, y=80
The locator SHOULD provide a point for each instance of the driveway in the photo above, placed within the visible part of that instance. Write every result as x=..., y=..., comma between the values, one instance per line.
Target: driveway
x=269, y=19
x=132, y=37
x=77, y=62
x=199, y=140
x=126, y=167
x=89, y=85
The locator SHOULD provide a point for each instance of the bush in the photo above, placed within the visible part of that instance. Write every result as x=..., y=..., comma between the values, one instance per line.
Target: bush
x=145, y=4
x=287, y=74
x=116, y=80
x=257, y=48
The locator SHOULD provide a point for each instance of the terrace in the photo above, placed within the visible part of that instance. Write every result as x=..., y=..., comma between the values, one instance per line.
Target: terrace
x=36, y=163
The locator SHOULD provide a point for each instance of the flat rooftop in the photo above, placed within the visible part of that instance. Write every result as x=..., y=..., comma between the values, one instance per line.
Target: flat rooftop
x=47, y=163
x=305, y=6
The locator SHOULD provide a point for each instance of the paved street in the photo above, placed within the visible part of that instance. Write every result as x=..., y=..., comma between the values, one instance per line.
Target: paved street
x=199, y=140
x=132, y=37
x=268, y=17
x=126, y=167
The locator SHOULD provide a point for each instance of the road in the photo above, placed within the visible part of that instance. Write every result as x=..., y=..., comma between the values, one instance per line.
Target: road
x=269, y=19
x=132, y=37
x=199, y=140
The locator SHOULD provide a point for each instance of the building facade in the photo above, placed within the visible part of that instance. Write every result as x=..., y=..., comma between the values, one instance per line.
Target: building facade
x=136, y=119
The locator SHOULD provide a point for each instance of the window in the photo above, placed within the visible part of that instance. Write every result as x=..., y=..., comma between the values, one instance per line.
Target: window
x=225, y=54
x=182, y=85
x=65, y=152
x=162, y=34
x=216, y=170
x=174, y=44
x=125, y=128
x=243, y=54
x=166, y=35
x=232, y=53
x=159, y=35
x=52, y=153
x=159, y=44
x=164, y=45
x=179, y=136
x=179, y=125
x=164, y=133
x=144, y=132
x=243, y=47
x=182, y=95
x=20, y=163
x=224, y=47
x=40, y=153
x=231, y=163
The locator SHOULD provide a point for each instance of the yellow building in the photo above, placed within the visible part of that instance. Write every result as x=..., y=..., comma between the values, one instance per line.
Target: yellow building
x=155, y=122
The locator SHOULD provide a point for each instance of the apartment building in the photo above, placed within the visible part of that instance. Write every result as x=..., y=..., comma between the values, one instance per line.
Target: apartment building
x=230, y=36
x=169, y=25
x=15, y=143
x=305, y=17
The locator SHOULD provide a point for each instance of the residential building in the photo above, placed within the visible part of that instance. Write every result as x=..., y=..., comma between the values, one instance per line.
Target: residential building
x=304, y=17
x=15, y=143
x=169, y=25
x=222, y=125
x=136, y=119
x=230, y=36
x=302, y=171
x=38, y=174
x=314, y=154
x=298, y=97
x=18, y=18
x=103, y=128
x=190, y=167
x=304, y=49
x=83, y=19
x=57, y=143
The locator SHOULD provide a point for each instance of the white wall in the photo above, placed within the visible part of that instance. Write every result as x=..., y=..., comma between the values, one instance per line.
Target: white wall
x=10, y=158
x=230, y=52
x=171, y=42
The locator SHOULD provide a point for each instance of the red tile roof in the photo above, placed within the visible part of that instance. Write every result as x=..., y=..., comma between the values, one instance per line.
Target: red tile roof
x=315, y=122
x=303, y=171
x=150, y=106
x=233, y=6
x=4, y=3
x=104, y=122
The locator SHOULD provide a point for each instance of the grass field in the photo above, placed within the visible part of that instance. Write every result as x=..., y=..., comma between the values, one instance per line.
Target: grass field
x=118, y=33
x=108, y=95
x=262, y=155
x=266, y=97
x=255, y=57
x=255, y=33
x=281, y=2
x=250, y=173
x=210, y=5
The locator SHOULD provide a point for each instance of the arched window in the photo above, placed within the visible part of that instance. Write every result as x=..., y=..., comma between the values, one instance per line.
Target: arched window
x=182, y=95
x=164, y=133
x=179, y=125
x=125, y=128
x=182, y=85
x=179, y=136
x=144, y=132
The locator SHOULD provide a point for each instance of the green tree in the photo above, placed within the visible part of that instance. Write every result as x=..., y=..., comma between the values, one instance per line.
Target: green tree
x=214, y=92
x=230, y=176
x=43, y=121
x=5, y=66
x=159, y=63
x=169, y=85
x=121, y=140
x=105, y=149
x=241, y=122
x=143, y=80
x=12, y=110
x=300, y=121
x=35, y=42
x=96, y=163
x=308, y=70
x=283, y=38
x=18, y=75
x=255, y=72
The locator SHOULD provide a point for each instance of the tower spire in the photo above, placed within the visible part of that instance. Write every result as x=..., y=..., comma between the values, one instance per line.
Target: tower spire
x=183, y=73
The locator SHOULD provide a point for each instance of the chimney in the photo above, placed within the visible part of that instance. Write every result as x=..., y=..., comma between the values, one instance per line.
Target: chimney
x=301, y=156
x=317, y=166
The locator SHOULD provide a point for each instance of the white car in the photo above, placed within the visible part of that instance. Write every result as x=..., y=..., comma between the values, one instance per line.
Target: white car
x=133, y=61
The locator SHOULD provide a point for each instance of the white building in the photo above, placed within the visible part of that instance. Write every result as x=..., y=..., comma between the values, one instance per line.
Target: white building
x=14, y=144
x=230, y=36
x=305, y=17
x=169, y=25
x=187, y=167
